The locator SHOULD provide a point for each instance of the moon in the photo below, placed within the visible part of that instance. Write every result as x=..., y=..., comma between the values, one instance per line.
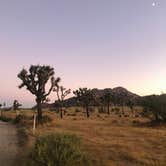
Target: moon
x=153, y=4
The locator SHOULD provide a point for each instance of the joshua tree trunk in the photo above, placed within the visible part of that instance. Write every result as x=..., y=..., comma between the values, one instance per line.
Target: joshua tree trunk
x=87, y=111
x=108, y=109
x=34, y=122
x=61, y=112
x=39, y=109
x=17, y=112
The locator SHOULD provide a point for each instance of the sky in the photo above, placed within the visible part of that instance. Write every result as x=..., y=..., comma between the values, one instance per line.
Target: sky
x=90, y=43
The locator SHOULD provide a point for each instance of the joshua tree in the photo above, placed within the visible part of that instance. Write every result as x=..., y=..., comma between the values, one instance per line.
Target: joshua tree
x=16, y=106
x=106, y=100
x=61, y=94
x=36, y=80
x=130, y=104
x=121, y=100
x=85, y=98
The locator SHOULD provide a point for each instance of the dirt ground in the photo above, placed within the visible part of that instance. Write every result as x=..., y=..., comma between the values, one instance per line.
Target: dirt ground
x=8, y=144
x=111, y=140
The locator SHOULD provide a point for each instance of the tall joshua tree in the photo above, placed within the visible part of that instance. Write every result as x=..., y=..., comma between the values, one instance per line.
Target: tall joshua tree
x=61, y=94
x=106, y=100
x=35, y=81
x=85, y=98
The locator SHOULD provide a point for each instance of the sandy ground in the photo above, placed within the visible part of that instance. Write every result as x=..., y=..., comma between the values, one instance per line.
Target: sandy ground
x=8, y=144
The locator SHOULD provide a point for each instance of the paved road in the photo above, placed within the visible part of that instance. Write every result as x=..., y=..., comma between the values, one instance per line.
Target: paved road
x=8, y=144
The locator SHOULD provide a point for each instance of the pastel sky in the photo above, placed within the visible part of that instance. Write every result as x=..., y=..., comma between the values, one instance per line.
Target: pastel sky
x=92, y=43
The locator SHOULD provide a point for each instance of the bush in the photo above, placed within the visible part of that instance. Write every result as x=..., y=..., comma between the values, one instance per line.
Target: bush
x=71, y=114
x=57, y=150
x=116, y=110
x=91, y=109
x=101, y=110
x=23, y=136
x=5, y=119
x=18, y=119
x=45, y=119
x=155, y=107
x=77, y=110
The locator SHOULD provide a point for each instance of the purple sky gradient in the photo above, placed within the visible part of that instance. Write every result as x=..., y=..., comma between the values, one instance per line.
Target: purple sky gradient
x=93, y=43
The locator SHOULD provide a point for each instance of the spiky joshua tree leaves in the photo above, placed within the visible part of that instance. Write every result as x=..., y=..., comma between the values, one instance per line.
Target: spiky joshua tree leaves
x=85, y=97
x=35, y=81
x=61, y=93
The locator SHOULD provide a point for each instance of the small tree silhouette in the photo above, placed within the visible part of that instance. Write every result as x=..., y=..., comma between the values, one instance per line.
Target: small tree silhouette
x=106, y=99
x=61, y=94
x=85, y=98
x=16, y=105
x=36, y=80
x=130, y=104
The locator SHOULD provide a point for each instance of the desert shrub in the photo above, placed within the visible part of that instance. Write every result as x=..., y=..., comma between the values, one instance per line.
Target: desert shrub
x=112, y=109
x=45, y=119
x=77, y=110
x=98, y=115
x=18, y=119
x=101, y=110
x=136, y=116
x=5, y=119
x=91, y=109
x=71, y=114
x=117, y=110
x=54, y=109
x=57, y=150
x=22, y=135
x=155, y=107
x=135, y=121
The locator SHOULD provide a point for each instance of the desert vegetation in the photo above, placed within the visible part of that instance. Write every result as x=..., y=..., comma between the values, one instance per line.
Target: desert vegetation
x=84, y=97
x=95, y=127
x=61, y=93
x=35, y=81
x=57, y=149
x=155, y=107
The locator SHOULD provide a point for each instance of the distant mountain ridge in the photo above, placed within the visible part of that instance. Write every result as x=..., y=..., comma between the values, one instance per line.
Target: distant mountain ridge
x=119, y=92
x=116, y=91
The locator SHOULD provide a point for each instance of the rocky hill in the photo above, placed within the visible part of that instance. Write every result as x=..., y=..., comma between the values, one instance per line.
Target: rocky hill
x=118, y=92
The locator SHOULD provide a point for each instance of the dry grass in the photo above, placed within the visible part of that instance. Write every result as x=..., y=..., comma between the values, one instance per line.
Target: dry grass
x=111, y=140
